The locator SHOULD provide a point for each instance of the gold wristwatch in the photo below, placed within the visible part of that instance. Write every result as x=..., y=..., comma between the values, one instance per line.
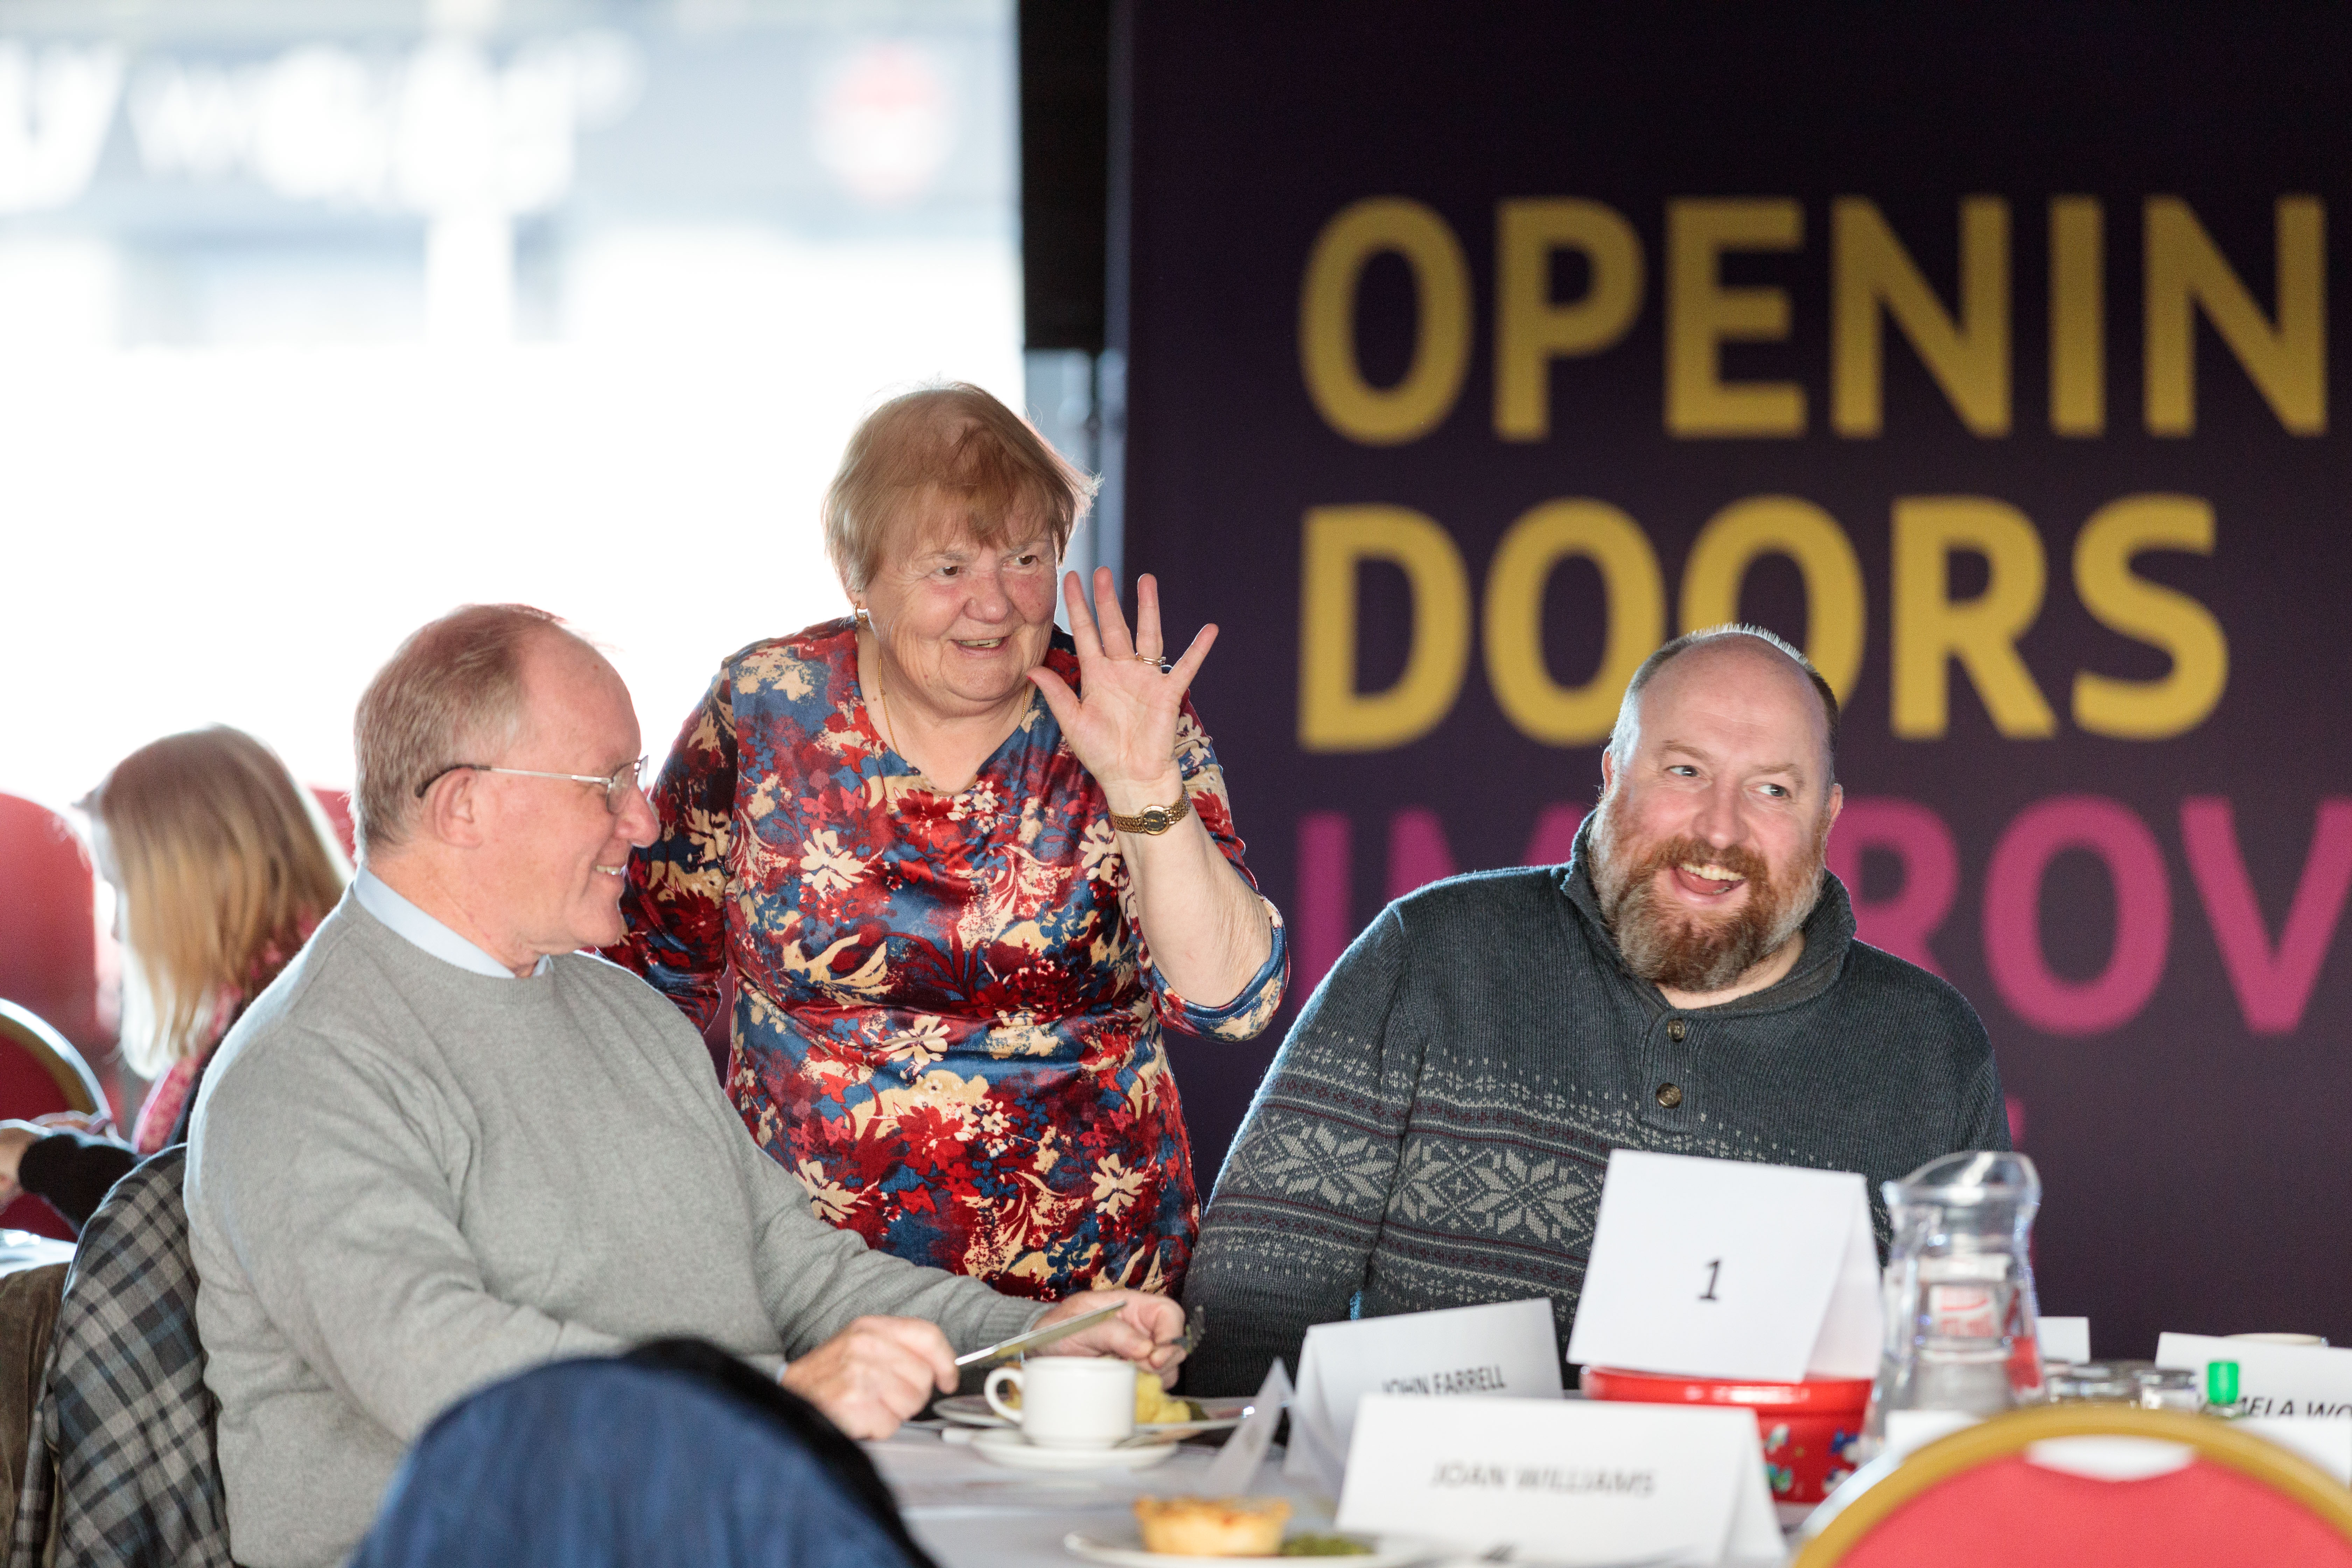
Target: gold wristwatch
x=1154, y=819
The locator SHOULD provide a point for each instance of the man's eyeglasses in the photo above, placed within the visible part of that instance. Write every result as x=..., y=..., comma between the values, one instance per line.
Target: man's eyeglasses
x=616, y=784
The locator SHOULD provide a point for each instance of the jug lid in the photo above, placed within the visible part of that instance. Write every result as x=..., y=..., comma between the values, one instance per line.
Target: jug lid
x=1978, y=1176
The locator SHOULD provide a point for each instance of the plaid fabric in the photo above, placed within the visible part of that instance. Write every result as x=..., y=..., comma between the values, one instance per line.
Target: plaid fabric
x=125, y=1464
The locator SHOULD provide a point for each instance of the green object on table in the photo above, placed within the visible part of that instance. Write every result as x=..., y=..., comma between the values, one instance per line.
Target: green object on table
x=2221, y=1382
x=1324, y=1546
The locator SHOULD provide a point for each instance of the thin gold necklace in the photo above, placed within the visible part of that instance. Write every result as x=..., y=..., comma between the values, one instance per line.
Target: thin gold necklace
x=887, y=729
x=882, y=693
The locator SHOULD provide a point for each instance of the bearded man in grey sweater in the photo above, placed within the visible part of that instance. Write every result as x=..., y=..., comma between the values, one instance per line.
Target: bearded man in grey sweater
x=1435, y=1129
x=447, y=1145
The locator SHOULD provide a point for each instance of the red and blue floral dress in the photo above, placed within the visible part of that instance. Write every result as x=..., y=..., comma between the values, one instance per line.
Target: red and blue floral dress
x=946, y=1020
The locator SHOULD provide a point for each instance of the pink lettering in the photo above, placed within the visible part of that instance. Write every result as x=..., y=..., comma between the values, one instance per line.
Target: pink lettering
x=1322, y=925
x=1915, y=836
x=2273, y=987
x=1554, y=835
x=2012, y=933
x=1418, y=852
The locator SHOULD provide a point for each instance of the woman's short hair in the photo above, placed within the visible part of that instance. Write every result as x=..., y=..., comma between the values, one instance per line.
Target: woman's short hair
x=452, y=693
x=223, y=862
x=954, y=446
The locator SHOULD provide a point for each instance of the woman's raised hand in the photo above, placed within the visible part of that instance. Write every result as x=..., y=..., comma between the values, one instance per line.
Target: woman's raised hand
x=1124, y=727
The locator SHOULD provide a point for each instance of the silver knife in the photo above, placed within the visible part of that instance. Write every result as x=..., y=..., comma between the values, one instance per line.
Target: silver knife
x=1037, y=1339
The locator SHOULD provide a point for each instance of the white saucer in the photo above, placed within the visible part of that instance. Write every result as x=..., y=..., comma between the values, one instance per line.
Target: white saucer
x=971, y=1410
x=1388, y=1551
x=1013, y=1451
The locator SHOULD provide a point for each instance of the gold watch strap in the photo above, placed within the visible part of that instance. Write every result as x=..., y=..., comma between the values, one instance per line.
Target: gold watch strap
x=1154, y=819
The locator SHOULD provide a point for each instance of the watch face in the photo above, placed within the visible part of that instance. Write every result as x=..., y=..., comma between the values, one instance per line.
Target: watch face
x=1157, y=820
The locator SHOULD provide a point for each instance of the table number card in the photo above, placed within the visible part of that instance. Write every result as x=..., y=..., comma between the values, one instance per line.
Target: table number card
x=1726, y=1268
x=1567, y=1481
x=1508, y=1348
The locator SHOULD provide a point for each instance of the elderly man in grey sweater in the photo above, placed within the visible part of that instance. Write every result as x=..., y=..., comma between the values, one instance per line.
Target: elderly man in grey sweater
x=1436, y=1127
x=448, y=1145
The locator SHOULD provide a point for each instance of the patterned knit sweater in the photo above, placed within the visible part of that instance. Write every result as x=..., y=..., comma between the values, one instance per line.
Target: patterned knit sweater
x=1435, y=1129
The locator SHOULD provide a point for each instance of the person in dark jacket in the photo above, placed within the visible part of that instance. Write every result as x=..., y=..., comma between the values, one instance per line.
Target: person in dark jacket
x=1435, y=1130
x=221, y=865
x=673, y=1455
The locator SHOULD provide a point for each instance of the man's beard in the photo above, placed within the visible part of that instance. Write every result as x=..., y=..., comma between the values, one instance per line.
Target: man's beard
x=1680, y=951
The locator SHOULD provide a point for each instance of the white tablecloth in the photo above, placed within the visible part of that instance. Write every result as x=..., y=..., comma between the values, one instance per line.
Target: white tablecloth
x=970, y=1513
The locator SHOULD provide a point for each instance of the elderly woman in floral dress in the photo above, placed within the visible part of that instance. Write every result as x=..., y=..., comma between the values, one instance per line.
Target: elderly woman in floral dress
x=964, y=868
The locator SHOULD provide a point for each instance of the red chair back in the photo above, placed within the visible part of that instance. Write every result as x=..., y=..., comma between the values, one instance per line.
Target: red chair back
x=2203, y=1516
x=337, y=804
x=49, y=935
x=2221, y=1498
x=40, y=1072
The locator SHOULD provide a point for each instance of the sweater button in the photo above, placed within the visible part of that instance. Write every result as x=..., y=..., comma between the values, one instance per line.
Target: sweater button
x=1676, y=1030
x=1669, y=1095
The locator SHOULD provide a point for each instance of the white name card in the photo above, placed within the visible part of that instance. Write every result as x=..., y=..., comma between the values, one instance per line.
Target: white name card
x=1234, y=1468
x=1575, y=1481
x=2273, y=1380
x=2063, y=1339
x=1508, y=1348
x=1725, y=1269
x=2325, y=1441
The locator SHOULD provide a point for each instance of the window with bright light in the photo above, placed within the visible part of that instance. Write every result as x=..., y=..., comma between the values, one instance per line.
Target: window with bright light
x=319, y=319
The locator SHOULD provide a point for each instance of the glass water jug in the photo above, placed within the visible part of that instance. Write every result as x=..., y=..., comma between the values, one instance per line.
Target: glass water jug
x=1960, y=1312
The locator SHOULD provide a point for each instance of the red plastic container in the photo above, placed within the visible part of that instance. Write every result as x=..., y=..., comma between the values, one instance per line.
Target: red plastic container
x=1809, y=1429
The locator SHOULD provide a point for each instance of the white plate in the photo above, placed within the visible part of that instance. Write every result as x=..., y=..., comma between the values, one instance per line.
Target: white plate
x=1013, y=1451
x=971, y=1410
x=1388, y=1551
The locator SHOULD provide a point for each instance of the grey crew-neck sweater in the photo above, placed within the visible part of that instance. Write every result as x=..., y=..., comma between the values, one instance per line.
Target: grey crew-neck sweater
x=1436, y=1127
x=407, y=1181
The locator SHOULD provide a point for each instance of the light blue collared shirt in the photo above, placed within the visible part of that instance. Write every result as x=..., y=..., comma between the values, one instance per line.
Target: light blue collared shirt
x=422, y=929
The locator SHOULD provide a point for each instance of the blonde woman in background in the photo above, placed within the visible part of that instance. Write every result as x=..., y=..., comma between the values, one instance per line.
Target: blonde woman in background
x=221, y=866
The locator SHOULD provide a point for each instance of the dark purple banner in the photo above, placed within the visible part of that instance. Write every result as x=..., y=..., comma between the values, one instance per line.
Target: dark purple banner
x=1986, y=354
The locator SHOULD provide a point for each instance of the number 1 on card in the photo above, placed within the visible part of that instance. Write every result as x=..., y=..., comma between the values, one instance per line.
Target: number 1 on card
x=1714, y=1269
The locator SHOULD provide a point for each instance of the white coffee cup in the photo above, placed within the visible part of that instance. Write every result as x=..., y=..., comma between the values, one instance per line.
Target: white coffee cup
x=1068, y=1402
